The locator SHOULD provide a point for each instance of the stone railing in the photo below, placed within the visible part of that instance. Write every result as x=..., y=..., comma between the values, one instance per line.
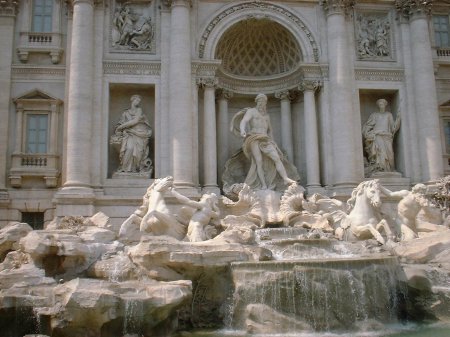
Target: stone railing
x=33, y=42
x=443, y=53
x=34, y=165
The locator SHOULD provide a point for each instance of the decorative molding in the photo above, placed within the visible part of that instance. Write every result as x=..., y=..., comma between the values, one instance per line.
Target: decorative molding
x=253, y=5
x=338, y=6
x=379, y=75
x=131, y=68
x=309, y=85
x=207, y=82
x=27, y=71
x=205, y=68
x=408, y=9
x=284, y=95
x=270, y=84
x=171, y=3
x=9, y=7
x=224, y=94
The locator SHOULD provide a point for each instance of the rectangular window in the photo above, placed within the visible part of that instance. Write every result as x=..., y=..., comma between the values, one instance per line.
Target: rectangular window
x=37, y=130
x=42, y=16
x=34, y=219
x=447, y=135
x=440, y=24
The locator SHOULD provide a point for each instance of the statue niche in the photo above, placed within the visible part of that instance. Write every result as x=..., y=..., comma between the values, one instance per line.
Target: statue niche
x=131, y=139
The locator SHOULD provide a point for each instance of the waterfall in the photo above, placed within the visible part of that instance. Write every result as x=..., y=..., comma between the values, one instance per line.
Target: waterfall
x=340, y=294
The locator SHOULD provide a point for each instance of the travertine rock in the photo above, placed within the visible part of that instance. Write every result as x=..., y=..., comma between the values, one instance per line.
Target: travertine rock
x=424, y=249
x=10, y=235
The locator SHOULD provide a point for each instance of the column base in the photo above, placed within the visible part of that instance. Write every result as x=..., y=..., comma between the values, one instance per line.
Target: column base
x=311, y=189
x=211, y=189
x=76, y=201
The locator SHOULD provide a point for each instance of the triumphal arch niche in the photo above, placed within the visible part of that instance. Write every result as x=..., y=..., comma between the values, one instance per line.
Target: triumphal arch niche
x=266, y=48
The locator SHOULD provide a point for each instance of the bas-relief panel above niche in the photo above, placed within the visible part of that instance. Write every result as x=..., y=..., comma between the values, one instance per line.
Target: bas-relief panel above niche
x=132, y=27
x=374, y=36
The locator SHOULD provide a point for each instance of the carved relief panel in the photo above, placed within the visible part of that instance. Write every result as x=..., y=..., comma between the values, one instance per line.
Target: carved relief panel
x=132, y=26
x=373, y=36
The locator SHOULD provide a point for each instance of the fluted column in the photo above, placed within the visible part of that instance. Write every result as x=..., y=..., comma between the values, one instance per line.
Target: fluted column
x=181, y=94
x=8, y=10
x=309, y=88
x=209, y=135
x=430, y=147
x=286, y=123
x=223, y=128
x=341, y=79
x=80, y=97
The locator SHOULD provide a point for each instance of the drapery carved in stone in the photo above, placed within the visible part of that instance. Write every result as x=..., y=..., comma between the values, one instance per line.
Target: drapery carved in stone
x=132, y=28
x=373, y=36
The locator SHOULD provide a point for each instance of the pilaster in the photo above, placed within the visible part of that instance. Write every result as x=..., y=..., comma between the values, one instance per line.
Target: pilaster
x=8, y=11
x=223, y=128
x=286, y=122
x=424, y=83
x=209, y=85
x=180, y=77
x=347, y=172
x=77, y=195
x=309, y=88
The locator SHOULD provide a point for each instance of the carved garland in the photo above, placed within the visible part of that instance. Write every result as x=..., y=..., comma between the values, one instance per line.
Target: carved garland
x=257, y=5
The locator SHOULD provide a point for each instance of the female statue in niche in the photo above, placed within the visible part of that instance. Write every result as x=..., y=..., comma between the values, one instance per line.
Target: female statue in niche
x=378, y=133
x=132, y=134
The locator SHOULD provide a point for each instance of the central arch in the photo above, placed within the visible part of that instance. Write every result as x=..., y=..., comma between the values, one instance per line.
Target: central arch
x=258, y=47
x=224, y=19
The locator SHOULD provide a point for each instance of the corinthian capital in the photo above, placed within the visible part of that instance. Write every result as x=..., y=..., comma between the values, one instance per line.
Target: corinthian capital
x=223, y=94
x=408, y=9
x=311, y=85
x=207, y=82
x=284, y=95
x=8, y=7
x=172, y=3
x=337, y=6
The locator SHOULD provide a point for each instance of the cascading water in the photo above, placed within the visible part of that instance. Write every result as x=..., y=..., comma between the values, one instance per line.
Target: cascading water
x=299, y=292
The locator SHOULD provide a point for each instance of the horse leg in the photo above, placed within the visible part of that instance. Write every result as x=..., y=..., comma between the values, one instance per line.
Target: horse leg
x=387, y=229
x=359, y=231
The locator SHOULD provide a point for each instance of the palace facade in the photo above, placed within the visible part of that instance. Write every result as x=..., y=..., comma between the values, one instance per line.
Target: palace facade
x=99, y=97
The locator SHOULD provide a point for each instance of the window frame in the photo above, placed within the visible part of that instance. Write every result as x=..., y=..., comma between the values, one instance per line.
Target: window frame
x=437, y=42
x=26, y=130
x=43, y=15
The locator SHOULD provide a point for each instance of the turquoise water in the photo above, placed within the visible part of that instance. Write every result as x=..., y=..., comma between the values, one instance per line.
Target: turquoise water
x=398, y=331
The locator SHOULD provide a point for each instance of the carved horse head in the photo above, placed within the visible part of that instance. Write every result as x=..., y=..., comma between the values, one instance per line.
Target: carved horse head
x=367, y=189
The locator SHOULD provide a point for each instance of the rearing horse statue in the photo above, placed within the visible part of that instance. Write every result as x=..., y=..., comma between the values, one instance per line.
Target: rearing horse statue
x=364, y=220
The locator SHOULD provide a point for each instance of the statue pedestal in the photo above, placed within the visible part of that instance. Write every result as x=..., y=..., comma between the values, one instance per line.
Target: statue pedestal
x=392, y=180
x=131, y=175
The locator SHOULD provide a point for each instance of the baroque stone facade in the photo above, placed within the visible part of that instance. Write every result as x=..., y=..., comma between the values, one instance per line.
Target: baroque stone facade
x=68, y=70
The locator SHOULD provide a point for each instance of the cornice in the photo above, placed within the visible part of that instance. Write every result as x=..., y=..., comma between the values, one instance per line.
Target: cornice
x=411, y=9
x=131, y=68
x=390, y=75
x=25, y=72
x=9, y=7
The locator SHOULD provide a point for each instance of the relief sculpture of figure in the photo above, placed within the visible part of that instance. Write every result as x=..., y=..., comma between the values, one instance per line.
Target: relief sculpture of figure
x=132, y=134
x=267, y=162
x=378, y=133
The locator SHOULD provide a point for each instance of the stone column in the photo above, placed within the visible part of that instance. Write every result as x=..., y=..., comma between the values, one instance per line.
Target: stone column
x=8, y=10
x=309, y=88
x=341, y=78
x=80, y=96
x=286, y=123
x=430, y=147
x=223, y=128
x=181, y=93
x=209, y=135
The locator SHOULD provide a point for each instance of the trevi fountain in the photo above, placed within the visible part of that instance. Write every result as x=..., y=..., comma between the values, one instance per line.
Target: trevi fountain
x=263, y=258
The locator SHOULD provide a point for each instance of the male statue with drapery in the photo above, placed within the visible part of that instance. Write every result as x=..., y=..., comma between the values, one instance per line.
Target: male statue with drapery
x=265, y=164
